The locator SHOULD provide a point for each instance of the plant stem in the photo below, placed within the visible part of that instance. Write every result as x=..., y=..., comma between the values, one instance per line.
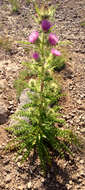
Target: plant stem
x=42, y=77
x=43, y=62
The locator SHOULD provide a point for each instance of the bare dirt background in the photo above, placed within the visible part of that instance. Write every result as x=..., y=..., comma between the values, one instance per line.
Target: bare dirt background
x=64, y=175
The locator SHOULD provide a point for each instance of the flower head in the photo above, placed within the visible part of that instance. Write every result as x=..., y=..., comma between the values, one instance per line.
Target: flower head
x=45, y=25
x=55, y=52
x=35, y=56
x=33, y=37
x=53, y=39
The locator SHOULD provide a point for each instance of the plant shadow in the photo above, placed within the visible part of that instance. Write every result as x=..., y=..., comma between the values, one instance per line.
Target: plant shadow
x=57, y=177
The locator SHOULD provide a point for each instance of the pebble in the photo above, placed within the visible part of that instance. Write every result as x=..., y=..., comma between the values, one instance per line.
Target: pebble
x=6, y=162
x=29, y=185
x=1, y=147
x=78, y=158
x=82, y=96
x=77, y=120
x=42, y=180
x=74, y=111
x=11, y=102
x=3, y=84
x=8, y=179
x=19, y=158
x=71, y=122
x=70, y=182
x=68, y=186
x=82, y=124
x=82, y=173
x=83, y=130
x=7, y=169
x=12, y=111
x=19, y=165
x=21, y=187
x=83, y=118
x=79, y=102
x=71, y=87
x=80, y=180
x=2, y=185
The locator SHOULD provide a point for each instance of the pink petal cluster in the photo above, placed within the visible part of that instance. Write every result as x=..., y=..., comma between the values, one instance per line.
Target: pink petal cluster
x=35, y=56
x=55, y=52
x=33, y=37
x=45, y=25
x=53, y=39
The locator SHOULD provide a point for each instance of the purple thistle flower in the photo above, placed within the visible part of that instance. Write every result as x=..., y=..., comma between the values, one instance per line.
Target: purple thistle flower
x=45, y=25
x=33, y=37
x=35, y=56
x=55, y=52
x=53, y=39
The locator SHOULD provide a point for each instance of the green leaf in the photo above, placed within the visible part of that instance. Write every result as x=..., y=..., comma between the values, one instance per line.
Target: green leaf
x=22, y=42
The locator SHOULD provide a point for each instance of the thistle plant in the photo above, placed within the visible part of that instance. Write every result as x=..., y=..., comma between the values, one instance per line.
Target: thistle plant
x=38, y=128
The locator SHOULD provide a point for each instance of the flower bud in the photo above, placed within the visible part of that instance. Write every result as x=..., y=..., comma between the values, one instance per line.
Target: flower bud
x=45, y=25
x=33, y=37
x=55, y=52
x=35, y=56
x=53, y=39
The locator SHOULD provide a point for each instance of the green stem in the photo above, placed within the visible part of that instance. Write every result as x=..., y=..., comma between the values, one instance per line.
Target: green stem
x=43, y=62
x=42, y=76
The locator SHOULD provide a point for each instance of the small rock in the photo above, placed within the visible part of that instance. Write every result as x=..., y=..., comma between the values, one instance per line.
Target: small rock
x=1, y=147
x=12, y=111
x=8, y=179
x=78, y=121
x=72, y=115
x=78, y=187
x=42, y=180
x=21, y=187
x=71, y=122
x=3, y=144
x=83, y=118
x=2, y=185
x=82, y=124
x=79, y=180
x=70, y=87
x=3, y=114
x=10, y=107
x=82, y=173
x=3, y=84
x=81, y=161
x=24, y=99
x=70, y=182
x=82, y=130
x=12, y=69
x=5, y=162
x=29, y=185
x=78, y=158
x=68, y=186
x=19, y=164
x=7, y=169
x=79, y=102
x=81, y=96
x=7, y=186
x=19, y=158
x=11, y=102
x=73, y=111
